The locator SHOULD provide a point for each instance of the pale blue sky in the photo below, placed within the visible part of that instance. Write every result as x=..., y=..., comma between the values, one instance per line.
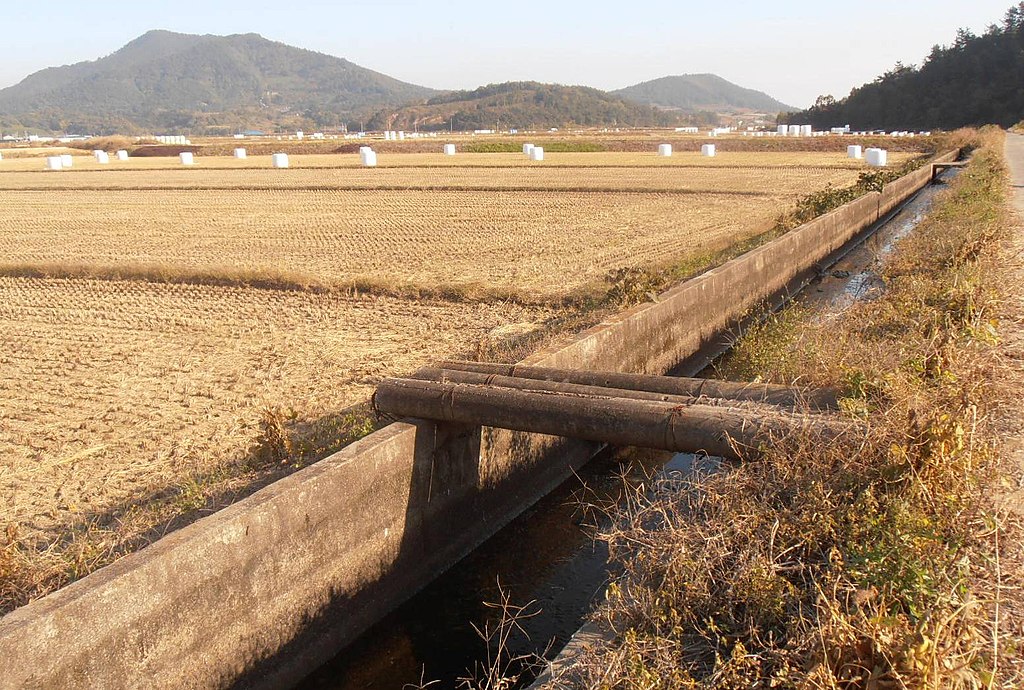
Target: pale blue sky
x=792, y=49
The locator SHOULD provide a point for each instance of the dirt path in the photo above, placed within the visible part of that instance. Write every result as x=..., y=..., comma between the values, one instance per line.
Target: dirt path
x=1010, y=501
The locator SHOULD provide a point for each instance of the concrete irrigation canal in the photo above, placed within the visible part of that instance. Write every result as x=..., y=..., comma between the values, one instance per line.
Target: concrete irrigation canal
x=265, y=591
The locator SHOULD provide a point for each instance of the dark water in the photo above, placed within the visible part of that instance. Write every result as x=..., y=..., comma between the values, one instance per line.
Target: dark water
x=856, y=276
x=547, y=558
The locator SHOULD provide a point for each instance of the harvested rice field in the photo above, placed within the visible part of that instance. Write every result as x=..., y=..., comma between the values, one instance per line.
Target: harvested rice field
x=84, y=161
x=539, y=233
x=171, y=337
x=114, y=391
x=540, y=244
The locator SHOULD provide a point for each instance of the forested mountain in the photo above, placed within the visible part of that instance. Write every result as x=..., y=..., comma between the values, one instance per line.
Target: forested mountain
x=700, y=92
x=522, y=105
x=176, y=82
x=977, y=80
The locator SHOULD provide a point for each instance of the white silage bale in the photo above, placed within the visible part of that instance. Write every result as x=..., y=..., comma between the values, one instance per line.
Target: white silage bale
x=782, y=130
x=368, y=158
x=279, y=160
x=54, y=163
x=806, y=130
x=66, y=160
x=240, y=153
x=665, y=150
x=122, y=155
x=528, y=149
x=537, y=153
x=449, y=149
x=186, y=158
x=854, y=152
x=708, y=150
x=102, y=157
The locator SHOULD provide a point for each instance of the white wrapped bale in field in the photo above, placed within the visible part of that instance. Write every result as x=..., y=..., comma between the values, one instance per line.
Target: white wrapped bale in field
x=240, y=154
x=708, y=150
x=665, y=150
x=186, y=158
x=877, y=158
x=854, y=152
x=279, y=160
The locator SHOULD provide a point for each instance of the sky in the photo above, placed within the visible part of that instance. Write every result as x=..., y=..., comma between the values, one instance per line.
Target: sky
x=791, y=49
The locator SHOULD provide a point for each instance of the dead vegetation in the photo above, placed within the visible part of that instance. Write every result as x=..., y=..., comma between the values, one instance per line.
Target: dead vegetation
x=168, y=351
x=868, y=564
x=121, y=402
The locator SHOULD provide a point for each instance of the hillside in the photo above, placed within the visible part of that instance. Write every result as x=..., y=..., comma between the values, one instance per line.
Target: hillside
x=170, y=81
x=700, y=92
x=975, y=81
x=522, y=105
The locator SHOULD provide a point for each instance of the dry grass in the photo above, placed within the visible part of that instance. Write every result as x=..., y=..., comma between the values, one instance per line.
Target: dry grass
x=863, y=565
x=792, y=159
x=146, y=381
x=754, y=180
x=541, y=244
x=114, y=392
x=482, y=230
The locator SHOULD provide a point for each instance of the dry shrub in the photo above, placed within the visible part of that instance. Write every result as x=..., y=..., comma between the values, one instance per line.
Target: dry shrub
x=854, y=565
x=109, y=144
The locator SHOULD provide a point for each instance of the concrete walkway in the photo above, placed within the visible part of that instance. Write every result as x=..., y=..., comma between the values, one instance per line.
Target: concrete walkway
x=1010, y=498
x=1015, y=158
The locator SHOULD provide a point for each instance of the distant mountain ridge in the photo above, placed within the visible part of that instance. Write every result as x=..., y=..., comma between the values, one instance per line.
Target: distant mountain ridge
x=522, y=105
x=700, y=92
x=166, y=80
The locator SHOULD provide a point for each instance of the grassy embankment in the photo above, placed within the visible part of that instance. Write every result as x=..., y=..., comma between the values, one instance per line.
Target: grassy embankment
x=863, y=565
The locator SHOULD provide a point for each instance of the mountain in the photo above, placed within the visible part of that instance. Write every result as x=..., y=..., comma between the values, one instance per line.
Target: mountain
x=700, y=92
x=171, y=81
x=522, y=105
x=975, y=81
